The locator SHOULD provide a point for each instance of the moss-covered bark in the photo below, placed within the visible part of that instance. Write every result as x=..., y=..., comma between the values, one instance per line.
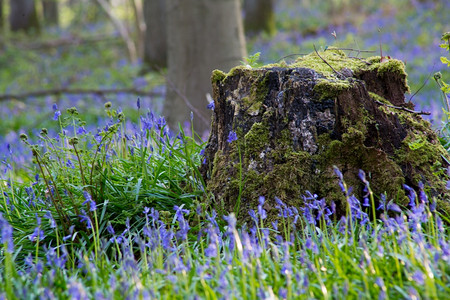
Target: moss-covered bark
x=294, y=123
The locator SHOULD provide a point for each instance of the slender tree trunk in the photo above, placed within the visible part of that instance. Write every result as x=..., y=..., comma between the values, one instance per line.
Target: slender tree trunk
x=155, y=48
x=202, y=35
x=139, y=24
x=23, y=16
x=1, y=15
x=259, y=16
x=51, y=12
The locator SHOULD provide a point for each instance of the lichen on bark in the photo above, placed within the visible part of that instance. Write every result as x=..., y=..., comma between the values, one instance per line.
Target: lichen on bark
x=295, y=123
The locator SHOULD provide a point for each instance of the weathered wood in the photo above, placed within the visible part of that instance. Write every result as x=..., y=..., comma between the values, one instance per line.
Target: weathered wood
x=294, y=123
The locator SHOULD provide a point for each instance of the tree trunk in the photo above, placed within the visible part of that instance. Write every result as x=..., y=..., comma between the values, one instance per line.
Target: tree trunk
x=202, y=35
x=1, y=15
x=23, y=16
x=51, y=12
x=293, y=124
x=155, y=48
x=259, y=16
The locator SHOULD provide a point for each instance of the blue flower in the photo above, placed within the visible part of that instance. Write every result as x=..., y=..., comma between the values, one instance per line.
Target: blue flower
x=232, y=136
x=211, y=105
x=92, y=204
x=56, y=115
x=6, y=234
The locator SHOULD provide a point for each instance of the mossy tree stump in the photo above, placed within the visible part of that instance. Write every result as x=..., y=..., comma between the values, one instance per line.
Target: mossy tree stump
x=294, y=123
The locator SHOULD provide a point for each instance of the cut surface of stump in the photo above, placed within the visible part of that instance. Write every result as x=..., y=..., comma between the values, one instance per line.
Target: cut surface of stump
x=294, y=123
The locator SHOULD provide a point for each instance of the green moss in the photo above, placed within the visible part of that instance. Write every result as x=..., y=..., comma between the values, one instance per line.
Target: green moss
x=331, y=88
x=256, y=140
x=336, y=58
x=378, y=98
x=218, y=76
x=418, y=154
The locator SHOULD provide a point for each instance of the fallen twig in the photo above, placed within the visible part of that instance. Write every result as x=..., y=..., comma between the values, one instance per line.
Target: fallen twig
x=66, y=41
x=403, y=108
x=341, y=76
x=68, y=91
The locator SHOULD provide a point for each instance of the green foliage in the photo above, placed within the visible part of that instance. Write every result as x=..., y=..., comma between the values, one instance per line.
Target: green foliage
x=105, y=177
x=252, y=60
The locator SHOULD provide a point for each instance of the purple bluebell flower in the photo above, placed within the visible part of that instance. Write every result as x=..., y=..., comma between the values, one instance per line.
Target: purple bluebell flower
x=393, y=207
x=70, y=164
x=89, y=201
x=6, y=234
x=261, y=211
x=161, y=122
x=211, y=105
x=418, y=277
x=81, y=130
x=38, y=234
x=282, y=293
x=76, y=291
x=85, y=219
x=411, y=195
x=232, y=136
x=56, y=115
x=138, y=103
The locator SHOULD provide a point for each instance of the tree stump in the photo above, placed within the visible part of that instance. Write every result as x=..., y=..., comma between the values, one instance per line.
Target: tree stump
x=295, y=123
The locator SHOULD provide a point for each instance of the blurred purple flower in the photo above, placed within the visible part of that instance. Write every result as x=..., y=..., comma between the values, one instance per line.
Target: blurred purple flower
x=89, y=201
x=211, y=105
x=232, y=136
x=6, y=234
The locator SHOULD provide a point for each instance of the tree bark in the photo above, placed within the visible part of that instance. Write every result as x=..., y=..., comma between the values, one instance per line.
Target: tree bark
x=155, y=48
x=51, y=12
x=202, y=35
x=23, y=16
x=259, y=16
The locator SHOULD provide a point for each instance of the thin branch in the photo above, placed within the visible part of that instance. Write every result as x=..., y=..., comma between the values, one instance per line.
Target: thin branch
x=123, y=31
x=339, y=74
x=423, y=85
x=356, y=50
x=188, y=103
x=68, y=41
x=403, y=108
x=68, y=91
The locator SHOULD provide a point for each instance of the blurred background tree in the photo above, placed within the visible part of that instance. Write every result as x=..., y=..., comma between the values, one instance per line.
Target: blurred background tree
x=202, y=35
x=23, y=16
x=259, y=16
x=50, y=11
x=155, y=53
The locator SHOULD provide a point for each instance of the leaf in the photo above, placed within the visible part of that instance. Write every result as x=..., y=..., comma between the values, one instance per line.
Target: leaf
x=445, y=61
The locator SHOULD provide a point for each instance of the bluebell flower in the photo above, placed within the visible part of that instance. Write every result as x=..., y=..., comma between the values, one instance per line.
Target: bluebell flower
x=56, y=115
x=282, y=293
x=85, y=219
x=6, y=234
x=411, y=195
x=418, y=277
x=138, y=103
x=38, y=234
x=89, y=201
x=76, y=291
x=211, y=105
x=261, y=211
x=70, y=164
x=232, y=136
x=161, y=122
x=81, y=130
